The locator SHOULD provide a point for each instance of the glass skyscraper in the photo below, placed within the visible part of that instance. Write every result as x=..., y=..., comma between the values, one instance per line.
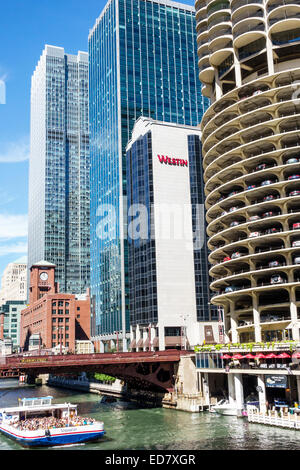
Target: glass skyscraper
x=143, y=62
x=59, y=168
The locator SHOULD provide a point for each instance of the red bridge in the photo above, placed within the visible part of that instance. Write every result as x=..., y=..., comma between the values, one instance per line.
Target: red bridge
x=154, y=371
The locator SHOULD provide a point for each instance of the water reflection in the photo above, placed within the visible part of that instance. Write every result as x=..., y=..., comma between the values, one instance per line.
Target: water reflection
x=134, y=428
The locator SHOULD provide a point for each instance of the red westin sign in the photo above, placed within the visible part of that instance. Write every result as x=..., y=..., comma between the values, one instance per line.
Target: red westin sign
x=172, y=161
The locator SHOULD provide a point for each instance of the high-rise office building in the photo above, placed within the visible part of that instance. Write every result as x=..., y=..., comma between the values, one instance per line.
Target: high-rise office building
x=143, y=62
x=249, y=56
x=14, y=281
x=168, y=260
x=59, y=167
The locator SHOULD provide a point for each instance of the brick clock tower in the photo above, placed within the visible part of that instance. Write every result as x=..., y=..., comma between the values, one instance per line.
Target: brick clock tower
x=42, y=281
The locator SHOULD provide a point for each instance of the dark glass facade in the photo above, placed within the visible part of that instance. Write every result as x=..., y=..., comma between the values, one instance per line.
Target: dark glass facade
x=143, y=62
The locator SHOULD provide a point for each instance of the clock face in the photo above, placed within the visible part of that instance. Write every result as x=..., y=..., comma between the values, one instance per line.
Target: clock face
x=44, y=276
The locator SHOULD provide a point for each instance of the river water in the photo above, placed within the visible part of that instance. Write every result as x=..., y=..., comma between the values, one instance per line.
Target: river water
x=155, y=428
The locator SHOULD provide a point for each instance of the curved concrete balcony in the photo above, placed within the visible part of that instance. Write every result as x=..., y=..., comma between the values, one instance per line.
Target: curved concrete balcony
x=222, y=297
x=237, y=4
x=261, y=247
x=251, y=174
x=249, y=34
x=272, y=4
x=266, y=141
x=225, y=265
x=216, y=7
x=260, y=195
x=257, y=277
x=220, y=54
x=206, y=73
x=219, y=19
x=284, y=18
x=247, y=12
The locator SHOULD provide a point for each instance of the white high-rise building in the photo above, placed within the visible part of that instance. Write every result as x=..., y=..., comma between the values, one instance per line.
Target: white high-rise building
x=14, y=282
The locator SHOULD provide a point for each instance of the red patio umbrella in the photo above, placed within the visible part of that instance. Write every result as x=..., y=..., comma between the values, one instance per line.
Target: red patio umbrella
x=260, y=356
x=271, y=356
x=237, y=356
x=226, y=356
x=249, y=356
x=284, y=355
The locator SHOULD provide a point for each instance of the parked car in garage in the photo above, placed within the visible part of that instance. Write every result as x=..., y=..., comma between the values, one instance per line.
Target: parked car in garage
x=273, y=264
x=254, y=234
x=227, y=258
x=267, y=182
x=272, y=230
x=296, y=192
x=254, y=217
x=268, y=214
x=294, y=177
x=296, y=243
x=292, y=160
x=296, y=225
x=269, y=197
x=235, y=223
x=262, y=166
x=236, y=255
x=276, y=279
x=251, y=186
x=230, y=289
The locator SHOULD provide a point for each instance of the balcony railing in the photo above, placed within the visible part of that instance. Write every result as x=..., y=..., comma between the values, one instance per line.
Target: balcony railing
x=242, y=3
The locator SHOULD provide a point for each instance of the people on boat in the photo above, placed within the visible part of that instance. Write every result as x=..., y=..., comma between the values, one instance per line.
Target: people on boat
x=50, y=422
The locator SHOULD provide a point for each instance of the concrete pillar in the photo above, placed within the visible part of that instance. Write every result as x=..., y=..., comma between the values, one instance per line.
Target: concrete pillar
x=256, y=320
x=161, y=333
x=298, y=387
x=231, y=388
x=239, y=392
x=270, y=59
x=262, y=393
x=138, y=335
x=237, y=67
x=294, y=315
x=218, y=87
x=205, y=388
x=145, y=336
x=234, y=333
x=152, y=336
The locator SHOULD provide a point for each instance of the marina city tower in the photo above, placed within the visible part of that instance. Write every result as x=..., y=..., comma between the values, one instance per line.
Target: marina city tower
x=249, y=64
x=143, y=62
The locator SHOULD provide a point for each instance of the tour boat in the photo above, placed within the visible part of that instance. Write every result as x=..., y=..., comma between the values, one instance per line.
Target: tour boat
x=37, y=422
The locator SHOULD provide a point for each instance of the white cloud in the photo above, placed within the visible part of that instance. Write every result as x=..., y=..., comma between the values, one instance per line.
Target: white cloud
x=13, y=226
x=14, y=152
x=13, y=248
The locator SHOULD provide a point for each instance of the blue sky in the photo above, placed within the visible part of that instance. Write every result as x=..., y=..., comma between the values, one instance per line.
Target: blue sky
x=25, y=27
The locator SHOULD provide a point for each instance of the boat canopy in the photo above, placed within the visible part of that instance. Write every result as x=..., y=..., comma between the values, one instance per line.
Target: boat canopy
x=39, y=401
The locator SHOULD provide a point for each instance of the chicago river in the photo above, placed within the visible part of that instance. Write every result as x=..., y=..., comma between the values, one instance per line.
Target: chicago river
x=130, y=428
